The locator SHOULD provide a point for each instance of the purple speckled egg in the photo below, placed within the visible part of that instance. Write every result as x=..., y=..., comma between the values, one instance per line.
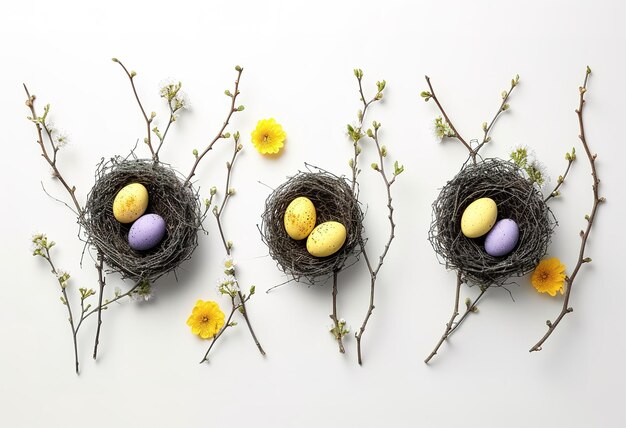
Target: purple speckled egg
x=146, y=232
x=502, y=238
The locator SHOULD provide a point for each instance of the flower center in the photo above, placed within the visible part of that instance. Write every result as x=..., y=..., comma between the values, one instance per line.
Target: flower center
x=205, y=318
x=266, y=138
x=545, y=276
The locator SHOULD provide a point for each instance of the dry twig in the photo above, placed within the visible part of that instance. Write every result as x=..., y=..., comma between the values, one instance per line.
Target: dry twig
x=584, y=235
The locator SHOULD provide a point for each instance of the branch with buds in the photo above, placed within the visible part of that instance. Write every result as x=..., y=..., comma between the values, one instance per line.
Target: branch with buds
x=356, y=134
x=590, y=218
x=230, y=285
x=486, y=127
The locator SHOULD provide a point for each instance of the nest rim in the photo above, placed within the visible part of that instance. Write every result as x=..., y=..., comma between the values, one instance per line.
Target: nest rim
x=516, y=198
x=177, y=202
x=334, y=200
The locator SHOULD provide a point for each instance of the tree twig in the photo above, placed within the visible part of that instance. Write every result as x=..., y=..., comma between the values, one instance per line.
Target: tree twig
x=101, y=283
x=457, y=135
x=449, y=324
x=228, y=324
x=356, y=134
x=561, y=179
x=167, y=128
x=66, y=302
x=338, y=329
x=503, y=107
x=220, y=134
x=228, y=192
x=41, y=125
x=470, y=309
x=148, y=140
x=392, y=227
x=584, y=235
x=473, y=152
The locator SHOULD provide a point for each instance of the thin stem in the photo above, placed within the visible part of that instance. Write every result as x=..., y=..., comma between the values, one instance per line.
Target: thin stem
x=392, y=227
x=167, y=128
x=229, y=172
x=473, y=152
x=561, y=180
x=449, y=324
x=471, y=308
x=66, y=302
x=218, y=218
x=370, y=310
x=148, y=120
x=356, y=135
x=74, y=331
x=584, y=235
x=487, y=130
x=447, y=118
x=106, y=304
x=244, y=312
x=357, y=150
x=333, y=316
x=220, y=134
x=52, y=161
x=226, y=325
x=101, y=283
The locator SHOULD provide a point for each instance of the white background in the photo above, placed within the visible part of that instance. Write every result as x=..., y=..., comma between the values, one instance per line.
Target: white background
x=298, y=61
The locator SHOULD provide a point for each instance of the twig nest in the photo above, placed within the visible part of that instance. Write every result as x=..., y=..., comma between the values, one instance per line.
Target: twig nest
x=516, y=198
x=176, y=205
x=334, y=201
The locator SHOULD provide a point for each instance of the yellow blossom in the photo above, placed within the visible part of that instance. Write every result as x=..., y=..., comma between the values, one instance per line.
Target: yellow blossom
x=549, y=276
x=268, y=136
x=206, y=319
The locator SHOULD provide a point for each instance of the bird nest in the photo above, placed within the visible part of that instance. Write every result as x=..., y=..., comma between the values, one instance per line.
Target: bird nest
x=516, y=198
x=176, y=203
x=334, y=200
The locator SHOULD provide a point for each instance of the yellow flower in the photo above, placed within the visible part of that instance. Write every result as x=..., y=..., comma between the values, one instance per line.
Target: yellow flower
x=268, y=137
x=206, y=319
x=549, y=276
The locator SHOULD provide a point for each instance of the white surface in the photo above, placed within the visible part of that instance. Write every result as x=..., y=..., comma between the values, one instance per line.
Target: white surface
x=298, y=63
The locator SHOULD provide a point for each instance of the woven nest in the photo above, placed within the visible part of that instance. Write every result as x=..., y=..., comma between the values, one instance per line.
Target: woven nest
x=516, y=198
x=178, y=205
x=334, y=200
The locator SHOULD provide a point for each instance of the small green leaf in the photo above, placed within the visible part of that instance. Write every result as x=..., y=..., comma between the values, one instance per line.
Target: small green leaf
x=397, y=168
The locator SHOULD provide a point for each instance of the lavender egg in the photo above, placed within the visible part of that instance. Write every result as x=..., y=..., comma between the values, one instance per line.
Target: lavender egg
x=146, y=232
x=502, y=238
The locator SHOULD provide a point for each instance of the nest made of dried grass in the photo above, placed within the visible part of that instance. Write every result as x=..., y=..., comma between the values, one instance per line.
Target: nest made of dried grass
x=334, y=200
x=178, y=204
x=516, y=198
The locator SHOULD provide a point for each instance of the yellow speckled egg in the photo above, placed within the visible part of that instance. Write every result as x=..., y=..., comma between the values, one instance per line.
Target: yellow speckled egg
x=130, y=203
x=326, y=239
x=300, y=218
x=479, y=217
